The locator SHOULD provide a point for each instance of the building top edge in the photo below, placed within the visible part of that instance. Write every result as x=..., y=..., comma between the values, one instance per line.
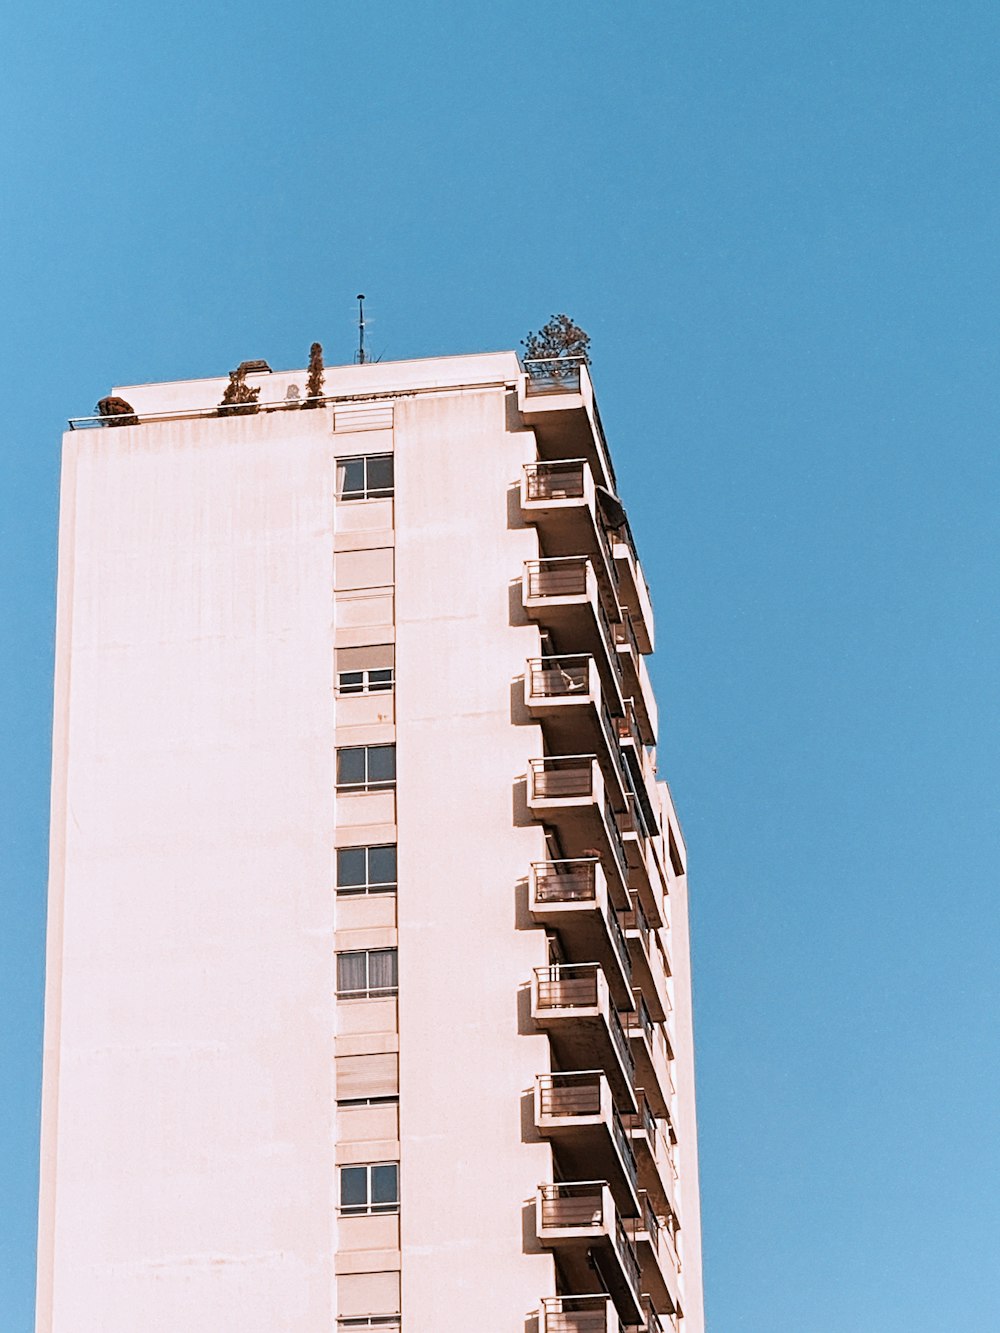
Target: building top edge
x=373, y=375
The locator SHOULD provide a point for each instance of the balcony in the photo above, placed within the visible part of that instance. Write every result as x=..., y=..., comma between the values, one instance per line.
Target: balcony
x=660, y=1266
x=571, y=1003
x=639, y=761
x=654, y=1155
x=556, y=398
x=656, y=1322
x=636, y=683
x=572, y=897
x=577, y=1114
x=633, y=592
x=568, y=792
x=642, y=866
x=648, y=967
x=565, y=595
x=580, y=1222
x=651, y=1056
x=579, y=1314
x=566, y=695
x=560, y=499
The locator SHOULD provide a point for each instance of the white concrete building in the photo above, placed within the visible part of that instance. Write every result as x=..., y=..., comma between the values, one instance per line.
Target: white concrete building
x=368, y=995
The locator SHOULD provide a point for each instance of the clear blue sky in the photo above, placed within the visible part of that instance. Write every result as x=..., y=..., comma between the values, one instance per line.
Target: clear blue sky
x=779, y=223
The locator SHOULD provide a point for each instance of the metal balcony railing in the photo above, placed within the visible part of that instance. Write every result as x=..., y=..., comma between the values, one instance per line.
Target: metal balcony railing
x=621, y=1043
x=558, y=576
x=563, y=1096
x=572, y=881
x=553, y=374
x=579, y=1314
x=635, y=919
x=568, y=986
x=562, y=480
x=562, y=776
x=558, y=677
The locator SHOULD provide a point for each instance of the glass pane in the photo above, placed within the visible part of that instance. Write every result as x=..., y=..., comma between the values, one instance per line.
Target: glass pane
x=381, y=763
x=380, y=473
x=351, y=765
x=352, y=972
x=380, y=680
x=353, y=1187
x=385, y=1184
x=351, y=682
x=382, y=865
x=382, y=970
x=352, y=477
x=350, y=867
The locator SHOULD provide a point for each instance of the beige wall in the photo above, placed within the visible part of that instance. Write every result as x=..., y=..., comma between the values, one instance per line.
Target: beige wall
x=468, y=1177
x=188, y=1100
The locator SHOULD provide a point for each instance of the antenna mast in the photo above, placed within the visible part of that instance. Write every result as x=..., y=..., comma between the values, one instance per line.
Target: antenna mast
x=360, y=356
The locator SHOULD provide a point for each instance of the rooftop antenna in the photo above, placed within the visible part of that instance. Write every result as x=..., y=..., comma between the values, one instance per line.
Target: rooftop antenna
x=360, y=355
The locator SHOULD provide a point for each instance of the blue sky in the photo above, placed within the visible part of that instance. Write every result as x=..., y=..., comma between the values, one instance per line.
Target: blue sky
x=778, y=221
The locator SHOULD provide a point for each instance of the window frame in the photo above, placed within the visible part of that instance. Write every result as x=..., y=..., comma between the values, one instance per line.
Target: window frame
x=366, y=684
x=369, y=1208
x=368, y=991
x=367, y=491
x=367, y=783
x=369, y=886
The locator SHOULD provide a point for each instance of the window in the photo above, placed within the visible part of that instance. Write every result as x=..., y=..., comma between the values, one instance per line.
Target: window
x=389, y=1323
x=365, y=682
x=366, y=768
x=366, y=869
x=368, y=1101
x=367, y=974
x=373, y=1188
x=369, y=477
x=364, y=670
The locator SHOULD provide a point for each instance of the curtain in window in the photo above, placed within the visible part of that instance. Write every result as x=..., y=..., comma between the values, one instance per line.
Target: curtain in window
x=351, y=972
x=382, y=970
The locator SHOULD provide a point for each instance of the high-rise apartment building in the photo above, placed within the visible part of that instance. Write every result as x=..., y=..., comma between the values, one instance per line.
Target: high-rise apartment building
x=368, y=999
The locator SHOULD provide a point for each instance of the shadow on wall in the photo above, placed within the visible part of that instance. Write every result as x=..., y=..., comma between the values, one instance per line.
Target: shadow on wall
x=519, y=715
x=521, y=815
x=517, y=617
x=529, y=1236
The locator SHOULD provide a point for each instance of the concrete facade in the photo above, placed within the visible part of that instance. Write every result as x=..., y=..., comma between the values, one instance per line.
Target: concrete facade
x=368, y=992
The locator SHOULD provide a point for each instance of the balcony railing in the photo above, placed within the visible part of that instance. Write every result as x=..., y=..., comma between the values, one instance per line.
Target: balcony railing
x=553, y=374
x=562, y=777
x=558, y=576
x=561, y=480
x=572, y=881
x=567, y=676
x=579, y=1314
x=568, y=986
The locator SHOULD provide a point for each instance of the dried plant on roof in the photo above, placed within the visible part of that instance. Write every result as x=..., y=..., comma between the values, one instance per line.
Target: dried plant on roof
x=559, y=339
x=239, y=399
x=314, y=384
x=116, y=411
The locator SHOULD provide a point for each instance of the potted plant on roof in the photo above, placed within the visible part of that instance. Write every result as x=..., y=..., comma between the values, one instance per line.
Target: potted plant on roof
x=314, y=383
x=239, y=399
x=557, y=350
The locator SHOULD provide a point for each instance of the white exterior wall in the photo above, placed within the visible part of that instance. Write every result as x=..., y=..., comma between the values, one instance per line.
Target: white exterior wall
x=467, y=1060
x=188, y=1101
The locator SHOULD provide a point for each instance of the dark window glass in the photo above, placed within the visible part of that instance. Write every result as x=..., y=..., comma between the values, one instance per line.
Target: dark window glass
x=380, y=473
x=382, y=865
x=351, y=867
x=380, y=679
x=381, y=763
x=385, y=1184
x=354, y=1187
x=353, y=477
x=351, y=766
x=351, y=682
